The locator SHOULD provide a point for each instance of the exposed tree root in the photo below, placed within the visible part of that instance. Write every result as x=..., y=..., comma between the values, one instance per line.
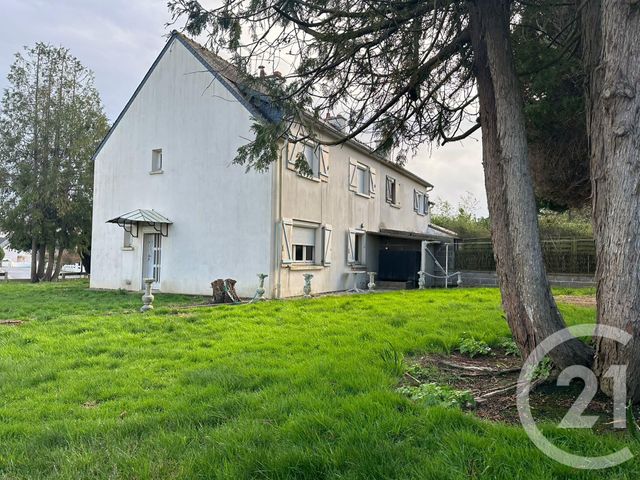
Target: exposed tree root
x=500, y=391
x=475, y=370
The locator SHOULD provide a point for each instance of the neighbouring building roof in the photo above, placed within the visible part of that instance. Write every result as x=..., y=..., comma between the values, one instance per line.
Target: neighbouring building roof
x=442, y=230
x=256, y=101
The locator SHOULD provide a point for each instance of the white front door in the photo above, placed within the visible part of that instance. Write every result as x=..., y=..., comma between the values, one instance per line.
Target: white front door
x=151, y=257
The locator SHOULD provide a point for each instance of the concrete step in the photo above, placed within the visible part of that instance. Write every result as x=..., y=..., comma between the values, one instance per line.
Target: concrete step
x=386, y=285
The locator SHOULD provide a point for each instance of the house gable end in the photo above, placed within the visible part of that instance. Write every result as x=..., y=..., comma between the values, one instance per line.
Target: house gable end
x=175, y=36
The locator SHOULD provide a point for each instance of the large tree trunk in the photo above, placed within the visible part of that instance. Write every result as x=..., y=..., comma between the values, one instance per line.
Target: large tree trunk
x=56, y=273
x=34, y=260
x=531, y=311
x=611, y=44
x=51, y=254
x=41, y=262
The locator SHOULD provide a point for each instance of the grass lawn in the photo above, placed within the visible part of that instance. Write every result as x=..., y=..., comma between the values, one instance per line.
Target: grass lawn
x=89, y=388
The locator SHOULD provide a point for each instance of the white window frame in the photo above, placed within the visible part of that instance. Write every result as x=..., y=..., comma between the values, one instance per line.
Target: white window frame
x=364, y=170
x=127, y=240
x=314, y=255
x=357, y=248
x=391, y=199
x=156, y=161
x=304, y=259
x=420, y=202
x=315, y=163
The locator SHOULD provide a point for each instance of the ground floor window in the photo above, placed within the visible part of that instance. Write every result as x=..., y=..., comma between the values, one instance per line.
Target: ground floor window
x=356, y=253
x=304, y=244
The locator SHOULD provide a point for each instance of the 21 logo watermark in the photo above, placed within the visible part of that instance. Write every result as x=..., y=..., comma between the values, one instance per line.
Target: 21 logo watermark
x=574, y=417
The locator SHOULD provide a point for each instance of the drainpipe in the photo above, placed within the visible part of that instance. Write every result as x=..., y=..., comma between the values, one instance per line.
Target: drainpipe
x=277, y=268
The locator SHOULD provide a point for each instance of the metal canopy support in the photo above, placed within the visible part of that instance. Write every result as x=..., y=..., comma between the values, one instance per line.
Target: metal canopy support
x=128, y=227
x=161, y=228
x=134, y=227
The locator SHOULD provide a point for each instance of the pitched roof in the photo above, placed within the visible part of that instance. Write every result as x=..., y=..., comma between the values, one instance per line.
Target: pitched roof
x=256, y=101
x=228, y=74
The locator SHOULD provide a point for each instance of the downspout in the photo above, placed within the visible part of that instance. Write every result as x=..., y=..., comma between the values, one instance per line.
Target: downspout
x=277, y=270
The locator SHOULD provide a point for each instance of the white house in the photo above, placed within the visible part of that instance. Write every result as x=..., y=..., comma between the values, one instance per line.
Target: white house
x=13, y=258
x=169, y=204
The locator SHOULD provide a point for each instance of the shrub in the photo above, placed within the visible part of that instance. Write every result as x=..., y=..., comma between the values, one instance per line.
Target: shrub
x=432, y=394
x=471, y=347
x=510, y=347
x=542, y=370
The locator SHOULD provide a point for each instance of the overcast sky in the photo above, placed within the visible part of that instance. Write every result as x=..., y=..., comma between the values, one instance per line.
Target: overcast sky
x=119, y=39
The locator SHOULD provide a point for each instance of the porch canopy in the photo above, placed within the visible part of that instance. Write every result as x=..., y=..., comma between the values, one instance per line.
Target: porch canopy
x=149, y=218
x=433, y=233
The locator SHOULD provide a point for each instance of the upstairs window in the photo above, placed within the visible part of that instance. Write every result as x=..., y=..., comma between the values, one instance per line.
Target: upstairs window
x=420, y=202
x=312, y=155
x=304, y=244
x=391, y=191
x=363, y=180
x=156, y=161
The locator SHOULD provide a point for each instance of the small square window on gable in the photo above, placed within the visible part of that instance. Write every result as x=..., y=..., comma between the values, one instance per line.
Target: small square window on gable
x=127, y=239
x=156, y=161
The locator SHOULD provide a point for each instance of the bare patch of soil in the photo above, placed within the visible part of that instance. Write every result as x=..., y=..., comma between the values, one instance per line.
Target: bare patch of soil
x=499, y=373
x=577, y=300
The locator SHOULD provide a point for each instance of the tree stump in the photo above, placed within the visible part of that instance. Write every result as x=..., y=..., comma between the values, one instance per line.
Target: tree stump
x=224, y=291
x=218, y=291
x=232, y=296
